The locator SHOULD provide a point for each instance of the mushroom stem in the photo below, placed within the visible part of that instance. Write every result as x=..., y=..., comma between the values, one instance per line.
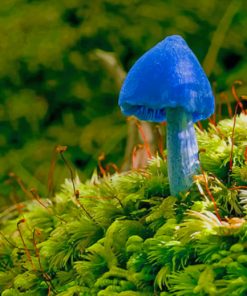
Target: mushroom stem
x=182, y=150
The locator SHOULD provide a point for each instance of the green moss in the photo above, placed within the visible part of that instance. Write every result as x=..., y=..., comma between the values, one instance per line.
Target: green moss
x=125, y=235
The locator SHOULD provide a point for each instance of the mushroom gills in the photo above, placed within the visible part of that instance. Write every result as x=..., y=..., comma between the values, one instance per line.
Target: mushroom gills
x=144, y=112
x=182, y=158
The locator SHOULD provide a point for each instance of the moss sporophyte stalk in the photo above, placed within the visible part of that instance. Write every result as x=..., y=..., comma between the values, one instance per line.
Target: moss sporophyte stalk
x=125, y=234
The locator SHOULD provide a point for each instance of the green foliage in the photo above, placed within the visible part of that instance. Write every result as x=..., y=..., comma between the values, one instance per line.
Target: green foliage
x=56, y=88
x=125, y=235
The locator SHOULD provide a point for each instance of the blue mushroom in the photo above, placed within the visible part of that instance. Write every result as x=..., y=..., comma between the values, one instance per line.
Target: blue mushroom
x=168, y=84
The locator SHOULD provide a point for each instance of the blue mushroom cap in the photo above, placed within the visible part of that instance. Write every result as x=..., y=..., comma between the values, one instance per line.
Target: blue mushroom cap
x=168, y=75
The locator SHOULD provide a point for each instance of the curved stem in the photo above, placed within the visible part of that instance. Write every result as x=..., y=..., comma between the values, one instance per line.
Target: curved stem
x=219, y=36
x=182, y=150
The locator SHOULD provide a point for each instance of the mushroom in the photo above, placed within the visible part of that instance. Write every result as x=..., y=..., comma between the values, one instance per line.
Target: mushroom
x=168, y=84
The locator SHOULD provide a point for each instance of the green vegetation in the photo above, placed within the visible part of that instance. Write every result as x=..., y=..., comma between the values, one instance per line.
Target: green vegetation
x=124, y=235
x=57, y=89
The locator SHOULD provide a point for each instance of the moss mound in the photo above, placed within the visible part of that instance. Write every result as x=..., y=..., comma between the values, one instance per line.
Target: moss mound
x=125, y=235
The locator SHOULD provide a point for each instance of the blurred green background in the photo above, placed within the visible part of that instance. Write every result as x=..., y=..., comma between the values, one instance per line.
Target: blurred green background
x=56, y=88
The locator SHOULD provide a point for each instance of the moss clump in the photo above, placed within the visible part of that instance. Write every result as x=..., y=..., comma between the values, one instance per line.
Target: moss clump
x=125, y=235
